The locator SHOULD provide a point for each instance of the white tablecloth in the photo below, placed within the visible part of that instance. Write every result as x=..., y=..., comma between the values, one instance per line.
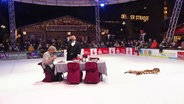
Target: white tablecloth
x=62, y=67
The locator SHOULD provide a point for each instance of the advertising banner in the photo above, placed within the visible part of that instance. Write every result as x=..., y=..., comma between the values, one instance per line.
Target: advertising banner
x=87, y=51
x=13, y=55
x=129, y=51
x=112, y=51
x=93, y=51
x=155, y=53
x=120, y=50
x=3, y=56
x=180, y=55
x=101, y=51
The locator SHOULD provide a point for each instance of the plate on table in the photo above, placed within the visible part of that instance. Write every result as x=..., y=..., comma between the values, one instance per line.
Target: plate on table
x=76, y=60
x=61, y=61
x=94, y=60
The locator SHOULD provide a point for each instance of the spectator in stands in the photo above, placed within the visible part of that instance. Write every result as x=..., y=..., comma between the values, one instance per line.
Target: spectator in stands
x=85, y=44
x=149, y=43
x=154, y=44
x=1, y=47
x=162, y=45
x=10, y=47
x=94, y=45
x=182, y=45
x=39, y=47
x=116, y=44
x=31, y=48
x=6, y=45
x=16, y=48
x=142, y=35
x=107, y=44
x=142, y=44
x=122, y=44
x=102, y=44
x=73, y=49
x=173, y=45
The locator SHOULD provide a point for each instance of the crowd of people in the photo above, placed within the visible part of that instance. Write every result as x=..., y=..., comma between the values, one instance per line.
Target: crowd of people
x=32, y=45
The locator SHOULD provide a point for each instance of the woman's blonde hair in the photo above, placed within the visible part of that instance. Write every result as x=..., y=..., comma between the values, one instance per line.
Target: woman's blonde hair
x=52, y=48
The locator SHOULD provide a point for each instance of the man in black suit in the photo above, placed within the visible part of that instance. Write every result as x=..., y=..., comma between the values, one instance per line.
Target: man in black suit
x=73, y=49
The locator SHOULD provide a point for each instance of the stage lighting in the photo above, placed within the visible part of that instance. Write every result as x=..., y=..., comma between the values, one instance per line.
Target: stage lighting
x=24, y=32
x=69, y=33
x=123, y=23
x=3, y=26
x=102, y=4
x=3, y=0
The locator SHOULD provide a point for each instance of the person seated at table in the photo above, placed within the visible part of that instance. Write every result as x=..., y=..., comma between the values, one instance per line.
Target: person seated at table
x=73, y=49
x=48, y=65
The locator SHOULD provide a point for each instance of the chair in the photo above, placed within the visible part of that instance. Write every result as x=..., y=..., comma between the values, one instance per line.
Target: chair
x=74, y=75
x=40, y=63
x=92, y=74
x=76, y=59
x=49, y=76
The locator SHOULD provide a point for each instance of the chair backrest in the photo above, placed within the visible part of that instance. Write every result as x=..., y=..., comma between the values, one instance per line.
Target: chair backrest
x=76, y=59
x=91, y=66
x=40, y=63
x=73, y=66
x=92, y=74
x=74, y=74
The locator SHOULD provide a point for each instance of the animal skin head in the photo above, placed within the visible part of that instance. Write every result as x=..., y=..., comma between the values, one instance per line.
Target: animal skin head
x=156, y=69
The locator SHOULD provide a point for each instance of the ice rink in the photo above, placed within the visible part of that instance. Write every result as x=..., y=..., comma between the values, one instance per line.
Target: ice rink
x=20, y=83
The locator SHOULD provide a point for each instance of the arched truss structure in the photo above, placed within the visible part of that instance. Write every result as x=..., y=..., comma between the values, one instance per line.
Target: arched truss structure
x=68, y=3
x=73, y=2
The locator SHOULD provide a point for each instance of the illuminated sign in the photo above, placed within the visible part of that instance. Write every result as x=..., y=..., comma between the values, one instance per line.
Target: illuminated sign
x=135, y=17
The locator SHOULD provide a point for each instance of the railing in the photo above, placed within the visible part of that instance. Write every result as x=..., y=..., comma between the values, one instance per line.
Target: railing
x=171, y=54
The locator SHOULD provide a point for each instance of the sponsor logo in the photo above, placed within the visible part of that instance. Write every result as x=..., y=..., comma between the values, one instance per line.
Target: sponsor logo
x=149, y=52
x=99, y=51
x=181, y=55
x=145, y=52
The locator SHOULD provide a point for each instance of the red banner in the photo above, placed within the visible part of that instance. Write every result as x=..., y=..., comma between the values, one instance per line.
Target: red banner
x=93, y=51
x=120, y=50
x=87, y=51
x=181, y=55
x=112, y=50
x=102, y=51
x=116, y=50
x=129, y=51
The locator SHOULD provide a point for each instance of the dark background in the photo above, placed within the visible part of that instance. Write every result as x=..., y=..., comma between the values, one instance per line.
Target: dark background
x=28, y=14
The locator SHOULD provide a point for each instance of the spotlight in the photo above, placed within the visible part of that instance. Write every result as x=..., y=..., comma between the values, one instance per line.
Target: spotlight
x=3, y=26
x=24, y=33
x=69, y=33
x=123, y=23
x=102, y=4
